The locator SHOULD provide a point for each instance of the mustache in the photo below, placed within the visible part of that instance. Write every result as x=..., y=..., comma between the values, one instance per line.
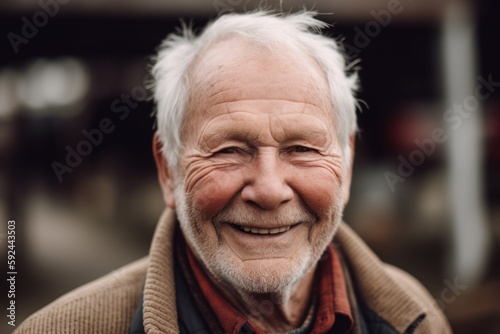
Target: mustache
x=242, y=214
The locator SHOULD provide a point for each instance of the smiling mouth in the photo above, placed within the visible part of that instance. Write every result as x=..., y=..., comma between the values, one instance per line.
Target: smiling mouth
x=261, y=231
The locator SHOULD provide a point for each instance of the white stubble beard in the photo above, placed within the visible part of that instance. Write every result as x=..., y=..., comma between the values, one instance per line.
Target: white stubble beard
x=227, y=269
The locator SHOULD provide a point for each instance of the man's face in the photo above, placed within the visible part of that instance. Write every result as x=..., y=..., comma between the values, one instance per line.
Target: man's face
x=260, y=184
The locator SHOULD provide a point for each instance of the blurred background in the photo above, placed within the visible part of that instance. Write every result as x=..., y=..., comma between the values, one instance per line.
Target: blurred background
x=78, y=177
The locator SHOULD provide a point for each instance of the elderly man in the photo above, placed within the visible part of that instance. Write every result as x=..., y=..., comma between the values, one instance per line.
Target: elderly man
x=256, y=124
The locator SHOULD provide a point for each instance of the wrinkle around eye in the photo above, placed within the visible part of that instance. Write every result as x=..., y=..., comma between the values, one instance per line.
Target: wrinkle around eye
x=333, y=165
x=195, y=172
x=336, y=167
x=197, y=169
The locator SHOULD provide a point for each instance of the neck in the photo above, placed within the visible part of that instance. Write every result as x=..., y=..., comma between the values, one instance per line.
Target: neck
x=273, y=312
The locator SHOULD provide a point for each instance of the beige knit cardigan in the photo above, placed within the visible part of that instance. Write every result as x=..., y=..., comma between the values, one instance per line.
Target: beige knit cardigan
x=106, y=306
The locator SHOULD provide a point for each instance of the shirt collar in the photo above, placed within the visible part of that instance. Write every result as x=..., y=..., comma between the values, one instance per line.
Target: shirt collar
x=333, y=310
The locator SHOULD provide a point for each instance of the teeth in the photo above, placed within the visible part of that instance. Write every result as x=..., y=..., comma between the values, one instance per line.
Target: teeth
x=255, y=230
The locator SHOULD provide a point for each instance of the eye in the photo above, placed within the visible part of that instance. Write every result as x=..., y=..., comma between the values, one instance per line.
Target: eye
x=228, y=150
x=301, y=149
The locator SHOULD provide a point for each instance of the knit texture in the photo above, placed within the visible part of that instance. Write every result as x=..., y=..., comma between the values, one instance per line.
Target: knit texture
x=393, y=294
x=106, y=306
x=103, y=306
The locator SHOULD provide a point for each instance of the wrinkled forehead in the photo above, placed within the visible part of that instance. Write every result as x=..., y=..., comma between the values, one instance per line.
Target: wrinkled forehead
x=241, y=68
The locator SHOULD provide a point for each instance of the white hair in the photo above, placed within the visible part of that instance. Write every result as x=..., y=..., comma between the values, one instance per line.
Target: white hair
x=170, y=68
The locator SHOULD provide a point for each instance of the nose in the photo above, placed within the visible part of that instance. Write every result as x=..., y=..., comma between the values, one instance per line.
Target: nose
x=266, y=182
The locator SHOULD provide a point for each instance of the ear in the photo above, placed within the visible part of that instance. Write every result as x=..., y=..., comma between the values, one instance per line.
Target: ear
x=346, y=186
x=164, y=173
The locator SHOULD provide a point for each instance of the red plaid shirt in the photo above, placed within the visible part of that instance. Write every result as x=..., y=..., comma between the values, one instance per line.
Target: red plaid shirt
x=332, y=308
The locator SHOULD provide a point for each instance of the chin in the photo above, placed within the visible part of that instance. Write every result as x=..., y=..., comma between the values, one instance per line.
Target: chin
x=264, y=276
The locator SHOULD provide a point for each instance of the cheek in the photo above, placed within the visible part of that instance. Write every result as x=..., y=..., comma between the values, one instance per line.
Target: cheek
x=319, y=189
x=212, y=193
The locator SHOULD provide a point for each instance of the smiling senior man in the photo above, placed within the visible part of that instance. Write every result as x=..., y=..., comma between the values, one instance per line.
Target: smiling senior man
x=256, y=123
